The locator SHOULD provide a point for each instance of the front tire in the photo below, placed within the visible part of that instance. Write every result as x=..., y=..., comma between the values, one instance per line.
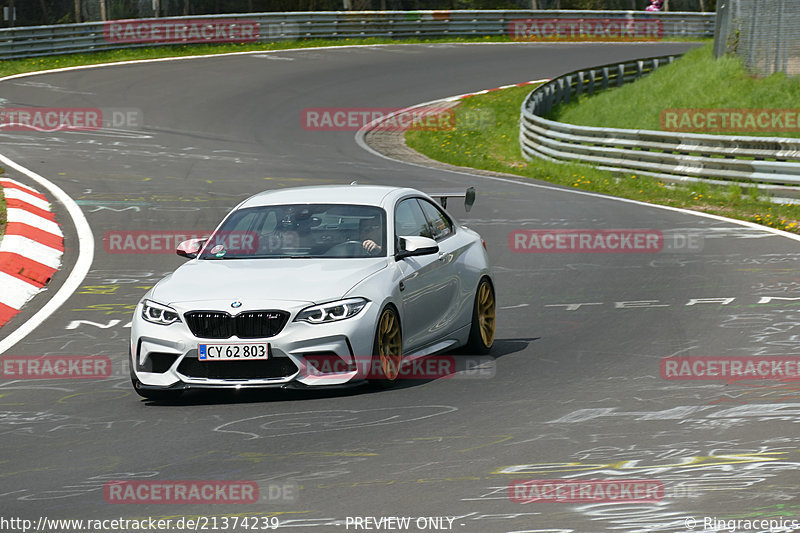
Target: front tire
x=481, y=333
x=387, y=349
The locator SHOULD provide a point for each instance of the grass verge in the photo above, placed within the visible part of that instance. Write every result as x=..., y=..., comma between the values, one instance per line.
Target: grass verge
x=724, y=83
x=486, y=136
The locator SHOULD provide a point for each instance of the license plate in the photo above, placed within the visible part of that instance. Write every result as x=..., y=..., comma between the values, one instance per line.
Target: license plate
x=233, y=352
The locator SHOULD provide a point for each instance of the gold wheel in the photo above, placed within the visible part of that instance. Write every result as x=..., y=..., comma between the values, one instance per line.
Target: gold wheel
x=486, y=313
x=389, y=344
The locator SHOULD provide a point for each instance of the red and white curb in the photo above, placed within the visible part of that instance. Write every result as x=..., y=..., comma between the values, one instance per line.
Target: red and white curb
x=30, y=250
x=524, y=83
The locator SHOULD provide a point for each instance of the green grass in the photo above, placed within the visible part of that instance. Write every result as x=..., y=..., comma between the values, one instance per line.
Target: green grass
x=723, y=84
x=486, y=137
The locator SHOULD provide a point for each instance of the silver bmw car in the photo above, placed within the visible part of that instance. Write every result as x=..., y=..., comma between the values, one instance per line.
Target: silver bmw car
x=341, y=274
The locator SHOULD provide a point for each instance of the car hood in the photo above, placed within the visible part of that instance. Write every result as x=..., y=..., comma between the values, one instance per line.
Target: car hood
x=298, y=280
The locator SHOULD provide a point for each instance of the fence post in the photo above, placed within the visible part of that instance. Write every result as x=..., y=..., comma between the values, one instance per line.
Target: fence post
x=722, y=28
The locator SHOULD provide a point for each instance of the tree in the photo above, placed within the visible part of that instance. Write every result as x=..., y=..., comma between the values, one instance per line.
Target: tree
x=45, y=20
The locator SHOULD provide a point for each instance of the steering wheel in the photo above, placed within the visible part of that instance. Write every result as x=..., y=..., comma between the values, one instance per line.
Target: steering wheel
x=347, y=248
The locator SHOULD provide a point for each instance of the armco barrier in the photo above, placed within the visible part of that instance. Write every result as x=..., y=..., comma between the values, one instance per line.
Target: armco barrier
x=669, y=155
x=37, y=41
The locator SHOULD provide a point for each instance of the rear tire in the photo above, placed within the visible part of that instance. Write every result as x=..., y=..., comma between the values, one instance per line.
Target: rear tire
x=387, y=350
x=481, y=333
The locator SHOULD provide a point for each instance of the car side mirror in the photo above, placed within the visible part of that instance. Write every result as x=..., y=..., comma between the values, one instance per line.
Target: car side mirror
x=416, y=245
x=191, y=248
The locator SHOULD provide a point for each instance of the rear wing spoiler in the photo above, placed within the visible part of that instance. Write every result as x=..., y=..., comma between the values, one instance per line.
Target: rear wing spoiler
x=468, y=196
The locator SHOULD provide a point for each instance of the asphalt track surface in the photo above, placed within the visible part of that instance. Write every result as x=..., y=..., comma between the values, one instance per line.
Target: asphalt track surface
x=576, y=391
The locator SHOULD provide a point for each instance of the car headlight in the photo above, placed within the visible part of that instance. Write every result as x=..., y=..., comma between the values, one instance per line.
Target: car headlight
x=333, y=311
x=159, y=314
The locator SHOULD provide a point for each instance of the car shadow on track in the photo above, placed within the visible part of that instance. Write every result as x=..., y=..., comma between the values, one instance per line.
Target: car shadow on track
x=464, y=366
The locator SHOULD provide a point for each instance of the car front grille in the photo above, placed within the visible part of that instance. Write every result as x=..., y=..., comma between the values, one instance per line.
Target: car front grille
x=277, y=367
x=247, y=325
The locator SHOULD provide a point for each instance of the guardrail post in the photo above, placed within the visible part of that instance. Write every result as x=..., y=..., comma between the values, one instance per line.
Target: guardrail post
x=620, y=75
x=722, y=28
x=605, y=78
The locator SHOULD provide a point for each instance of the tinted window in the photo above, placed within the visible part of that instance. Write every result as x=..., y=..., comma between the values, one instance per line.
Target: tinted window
x=410, y=221
x=300, y=230
x=440, y=225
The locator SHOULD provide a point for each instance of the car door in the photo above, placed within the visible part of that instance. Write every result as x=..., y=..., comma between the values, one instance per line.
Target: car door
x=451, y=247
x=424, y=281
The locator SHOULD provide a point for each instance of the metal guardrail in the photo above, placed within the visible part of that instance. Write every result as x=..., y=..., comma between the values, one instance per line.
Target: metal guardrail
x=36, y=41
x=664, y=154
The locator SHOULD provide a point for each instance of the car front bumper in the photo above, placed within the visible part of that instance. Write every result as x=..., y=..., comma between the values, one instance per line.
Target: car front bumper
x=166, y=357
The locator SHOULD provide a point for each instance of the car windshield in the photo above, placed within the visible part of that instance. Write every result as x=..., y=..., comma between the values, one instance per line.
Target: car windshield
x=300, y=231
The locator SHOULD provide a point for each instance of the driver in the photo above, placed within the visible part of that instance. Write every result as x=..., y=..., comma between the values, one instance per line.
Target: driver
x=370, y=229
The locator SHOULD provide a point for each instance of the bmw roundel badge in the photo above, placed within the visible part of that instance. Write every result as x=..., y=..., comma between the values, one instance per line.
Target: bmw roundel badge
x=237, y=304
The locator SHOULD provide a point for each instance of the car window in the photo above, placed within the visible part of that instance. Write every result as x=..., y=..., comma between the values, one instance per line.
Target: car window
x=440, y=224
x=410, y=221
x=300, y=230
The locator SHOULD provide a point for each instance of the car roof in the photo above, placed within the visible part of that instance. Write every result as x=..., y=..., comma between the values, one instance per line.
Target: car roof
x=377, y=195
